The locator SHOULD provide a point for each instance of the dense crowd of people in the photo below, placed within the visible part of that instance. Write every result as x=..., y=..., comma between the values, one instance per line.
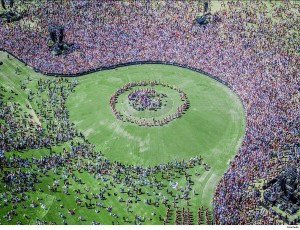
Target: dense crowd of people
x=145, y=99
x=140, y=99
x=253, y=47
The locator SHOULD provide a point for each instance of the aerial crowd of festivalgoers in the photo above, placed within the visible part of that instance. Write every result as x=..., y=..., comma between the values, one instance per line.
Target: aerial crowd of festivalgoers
x=154, y=186
x=255, y=52
x=147, y=185
x=21, y=130
x=147, y=98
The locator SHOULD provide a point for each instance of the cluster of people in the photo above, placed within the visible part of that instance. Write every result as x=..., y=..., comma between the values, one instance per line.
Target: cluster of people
x=185, y=217
x=145, y=98
x=32, y=127
x=142, y=98
x=20, y=175
x=106, y=33
x=253, y=48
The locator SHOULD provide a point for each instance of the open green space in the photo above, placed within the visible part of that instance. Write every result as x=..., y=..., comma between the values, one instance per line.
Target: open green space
x=212, y=127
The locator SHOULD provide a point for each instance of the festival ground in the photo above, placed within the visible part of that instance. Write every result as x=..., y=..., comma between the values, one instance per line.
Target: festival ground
x=212, y=128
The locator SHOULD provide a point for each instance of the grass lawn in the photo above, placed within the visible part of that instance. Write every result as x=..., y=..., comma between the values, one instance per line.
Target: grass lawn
x=212, y=127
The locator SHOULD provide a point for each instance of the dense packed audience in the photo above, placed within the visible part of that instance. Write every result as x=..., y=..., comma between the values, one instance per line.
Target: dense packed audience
x=253, y=47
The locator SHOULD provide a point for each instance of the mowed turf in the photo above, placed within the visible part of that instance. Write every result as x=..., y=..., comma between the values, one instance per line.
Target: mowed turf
x=213, y=127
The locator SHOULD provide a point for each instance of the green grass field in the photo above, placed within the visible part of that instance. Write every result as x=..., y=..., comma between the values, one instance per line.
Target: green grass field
x=212, y=127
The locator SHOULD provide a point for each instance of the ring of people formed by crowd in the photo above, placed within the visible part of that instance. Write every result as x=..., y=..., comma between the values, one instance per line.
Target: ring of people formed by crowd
x=140, y=99
x=145, y=99
x=255, y=55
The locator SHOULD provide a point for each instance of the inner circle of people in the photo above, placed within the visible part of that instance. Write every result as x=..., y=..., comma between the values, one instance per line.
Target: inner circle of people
x=142, y=99
x=146, y=98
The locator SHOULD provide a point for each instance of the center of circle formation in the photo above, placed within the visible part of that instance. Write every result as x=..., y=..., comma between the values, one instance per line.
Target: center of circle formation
x=148, y=103
x=146, y=99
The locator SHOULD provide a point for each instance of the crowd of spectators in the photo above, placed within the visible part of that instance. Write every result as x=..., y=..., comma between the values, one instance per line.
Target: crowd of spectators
x=253, y=47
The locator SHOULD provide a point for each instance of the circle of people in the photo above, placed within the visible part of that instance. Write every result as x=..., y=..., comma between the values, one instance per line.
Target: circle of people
x=145, y=98
x=142, y=98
